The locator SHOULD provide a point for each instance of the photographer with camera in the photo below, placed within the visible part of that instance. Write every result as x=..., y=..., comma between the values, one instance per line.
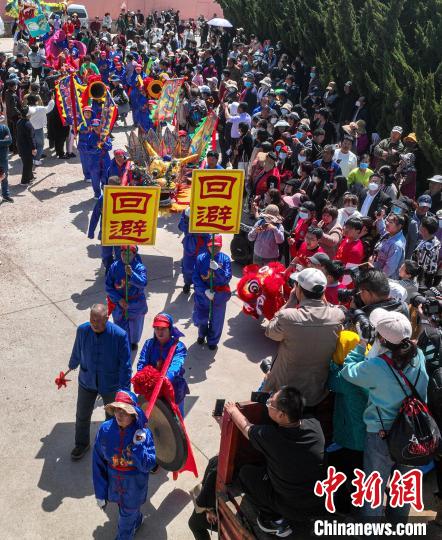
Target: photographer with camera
x=306, y=320
x=392, y=358
x=389, y=252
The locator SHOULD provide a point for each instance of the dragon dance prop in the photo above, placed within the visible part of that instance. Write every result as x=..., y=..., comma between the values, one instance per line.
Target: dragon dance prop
x=166, y=106
x=16, y=9
x=68, y=95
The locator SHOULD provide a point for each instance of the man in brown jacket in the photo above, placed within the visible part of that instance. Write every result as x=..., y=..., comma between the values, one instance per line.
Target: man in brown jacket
x=307, y=332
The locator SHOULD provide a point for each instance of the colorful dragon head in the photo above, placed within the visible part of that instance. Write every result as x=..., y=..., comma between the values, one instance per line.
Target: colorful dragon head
x=262, y=289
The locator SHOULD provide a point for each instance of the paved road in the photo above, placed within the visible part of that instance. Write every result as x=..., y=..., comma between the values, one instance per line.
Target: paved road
x=50, y=275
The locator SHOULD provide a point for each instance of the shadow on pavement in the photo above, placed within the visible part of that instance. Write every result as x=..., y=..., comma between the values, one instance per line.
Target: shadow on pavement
x=247, y=336
x=199, y=359
x=83, y=211
x=48, y=193
x=61, y=477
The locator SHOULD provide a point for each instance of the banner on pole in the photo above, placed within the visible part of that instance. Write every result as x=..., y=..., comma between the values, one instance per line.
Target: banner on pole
x=216, y=201
x=168, y=101
x=38, y=26
x=130, y=215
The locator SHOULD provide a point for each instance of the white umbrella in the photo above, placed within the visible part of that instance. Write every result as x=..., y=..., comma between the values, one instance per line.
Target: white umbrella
x=222, y=23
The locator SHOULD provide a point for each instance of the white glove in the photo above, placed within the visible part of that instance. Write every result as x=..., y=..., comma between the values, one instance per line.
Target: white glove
x=210, y=294
x=213, y=265
x=101, y=503
x=139, y=436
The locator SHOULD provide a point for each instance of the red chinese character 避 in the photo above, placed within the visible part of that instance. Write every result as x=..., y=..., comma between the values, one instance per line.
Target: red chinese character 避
x=407, y=489
x=328, y=487
x=128, y=230
x=369, y=490
x=214, y=216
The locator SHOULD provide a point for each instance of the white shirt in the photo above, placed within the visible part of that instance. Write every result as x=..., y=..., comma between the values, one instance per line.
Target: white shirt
x=236, y=120
x=38, y=114
x=343, y=216
x=367, y=203
x=347, y=161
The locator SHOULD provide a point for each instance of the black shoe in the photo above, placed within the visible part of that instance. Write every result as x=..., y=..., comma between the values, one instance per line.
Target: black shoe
x=79, y=451
x=62, y=156
x=26, y=183
x=201, y=340
x=43, y=156
x=186, y=289
x=213, y=347
x=70, y=155
x=7, y=198
x=154, y=470
x=279, y=528
x=134, y=346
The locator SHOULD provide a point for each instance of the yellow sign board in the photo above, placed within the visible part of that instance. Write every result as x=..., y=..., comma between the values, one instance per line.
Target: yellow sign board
x=130, y=215
x=216, y=201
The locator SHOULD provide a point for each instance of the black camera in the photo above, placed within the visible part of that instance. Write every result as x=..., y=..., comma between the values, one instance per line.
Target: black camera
x=358, y=317
x=430, y=301
x=346, y=295
x=266, y=365
x=260, y=397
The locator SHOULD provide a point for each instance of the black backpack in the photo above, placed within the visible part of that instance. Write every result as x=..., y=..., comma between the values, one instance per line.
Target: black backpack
x=414, y=438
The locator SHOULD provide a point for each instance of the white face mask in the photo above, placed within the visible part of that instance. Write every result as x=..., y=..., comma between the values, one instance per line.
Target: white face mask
x=282, y=156
x=350, y=210
x=303, y=215
x=358, y=103
x=273, y=120
x=316, y=180
x=372, y=186
x=301, y=159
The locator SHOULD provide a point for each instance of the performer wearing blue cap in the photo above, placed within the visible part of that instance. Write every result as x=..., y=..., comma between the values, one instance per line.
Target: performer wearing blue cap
x=128, y=315
x=210, y=321
x=193, y=245
x=98, y=155
x=156, y=349
x=124, y=453
x=84, y=131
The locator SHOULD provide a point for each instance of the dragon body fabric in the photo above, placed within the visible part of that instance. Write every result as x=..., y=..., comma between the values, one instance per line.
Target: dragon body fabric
x=263, y=290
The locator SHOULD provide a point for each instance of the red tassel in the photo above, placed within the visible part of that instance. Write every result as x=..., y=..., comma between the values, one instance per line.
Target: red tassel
x=61, y=380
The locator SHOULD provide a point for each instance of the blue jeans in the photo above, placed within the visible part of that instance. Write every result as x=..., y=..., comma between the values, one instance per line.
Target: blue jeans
x=40, y=142
x=377, y=458
x=5, y=186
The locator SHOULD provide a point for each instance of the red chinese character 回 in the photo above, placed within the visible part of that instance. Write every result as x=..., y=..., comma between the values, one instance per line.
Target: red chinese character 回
x=406, y=489
x=128, y=230
x=214, y=216
x=367, y=490
x=218, y=186
x=328, y=487
x=125, y=201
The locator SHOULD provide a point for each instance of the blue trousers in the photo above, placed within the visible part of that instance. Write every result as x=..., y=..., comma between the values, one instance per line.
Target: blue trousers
x=201, y=309
x=109, y=254
x=187, y=266
x=128, y=521
x=84, y=158
x=377, y=458
x=98, y=166
x=133, y=325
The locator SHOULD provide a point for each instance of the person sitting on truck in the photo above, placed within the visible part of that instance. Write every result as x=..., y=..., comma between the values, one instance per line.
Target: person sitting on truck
x=293, y=448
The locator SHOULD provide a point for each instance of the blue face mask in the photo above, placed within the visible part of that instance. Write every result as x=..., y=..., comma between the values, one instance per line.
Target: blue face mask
x=278, y=148
x=248, y=84
x=397, y=210
x=299, y=135
x=363, y=165
x=312, y=74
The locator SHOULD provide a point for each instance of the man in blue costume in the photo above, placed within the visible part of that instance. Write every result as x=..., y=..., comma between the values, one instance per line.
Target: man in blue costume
x=193, y=245
x=124, y=453
x=101, y=349
x=98, y=156
x=156, y=349
x=128, y=315
x=104, y=66
x=221, y=271
x=84, y=131
x=109, y=254
x=119, y=166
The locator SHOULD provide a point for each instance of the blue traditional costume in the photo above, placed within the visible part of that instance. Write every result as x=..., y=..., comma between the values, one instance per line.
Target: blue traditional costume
x=122, y=460
x=116, y=290
x=211, y=330
x=83, y=135
x=98, y=159
x=154, y=353
x=193, y=245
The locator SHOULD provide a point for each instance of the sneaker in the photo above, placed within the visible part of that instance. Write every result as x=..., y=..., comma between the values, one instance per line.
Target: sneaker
x=213, y=347
x=7, y=198
x=71, y=155
x=88, y=180
x=201, y=340
x=186, y=289
x=79, y=451
x=279, y=528
x=38, y=162
x=134, y=346
x=154, y=469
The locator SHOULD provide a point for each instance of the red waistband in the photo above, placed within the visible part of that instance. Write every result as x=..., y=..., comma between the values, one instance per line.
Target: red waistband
x=222, y=288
